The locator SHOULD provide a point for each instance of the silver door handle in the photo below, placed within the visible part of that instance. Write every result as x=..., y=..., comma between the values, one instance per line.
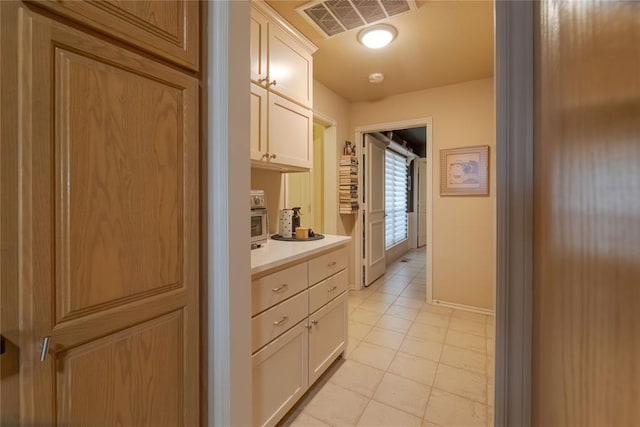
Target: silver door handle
x=281, y=321
x=45, y=348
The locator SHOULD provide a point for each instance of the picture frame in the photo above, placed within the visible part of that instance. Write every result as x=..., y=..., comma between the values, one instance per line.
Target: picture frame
x=464, y=171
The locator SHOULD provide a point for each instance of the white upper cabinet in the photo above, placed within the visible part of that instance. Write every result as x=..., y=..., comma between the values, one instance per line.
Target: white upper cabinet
x=281, y=93
x=290, y=69
x=258, y=48
x=280, y=56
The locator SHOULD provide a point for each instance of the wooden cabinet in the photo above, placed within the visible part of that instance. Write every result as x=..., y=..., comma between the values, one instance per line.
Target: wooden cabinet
x=168, y=28
x=109, y=228
x=281, y=59
x=281, y=93
x=290, y=133
x=258, y=47
x=280, y=375
x=289, y=67
x=297, y=331
x=327, y=336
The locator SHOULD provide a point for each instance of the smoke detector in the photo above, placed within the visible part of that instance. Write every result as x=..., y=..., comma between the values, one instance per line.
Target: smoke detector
x=376, y=78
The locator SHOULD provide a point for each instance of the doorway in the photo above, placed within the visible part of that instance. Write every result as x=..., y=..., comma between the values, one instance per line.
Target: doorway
x=362, y=254
x=311, y=191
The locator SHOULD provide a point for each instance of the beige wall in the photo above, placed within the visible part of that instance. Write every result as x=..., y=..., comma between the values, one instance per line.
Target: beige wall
x=333, y=106
x=463, y=227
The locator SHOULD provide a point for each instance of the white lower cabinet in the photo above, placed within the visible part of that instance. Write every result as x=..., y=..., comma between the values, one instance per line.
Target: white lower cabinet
x=327, y=336
x=299, y=329
x=280, y=375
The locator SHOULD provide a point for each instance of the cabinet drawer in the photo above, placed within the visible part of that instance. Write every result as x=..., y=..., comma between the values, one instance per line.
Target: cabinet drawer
x=270, y=290
x=278, y=319
x=327, y=265
x=328, y=289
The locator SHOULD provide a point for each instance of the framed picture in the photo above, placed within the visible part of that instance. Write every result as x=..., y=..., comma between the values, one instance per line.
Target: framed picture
x=464, y=171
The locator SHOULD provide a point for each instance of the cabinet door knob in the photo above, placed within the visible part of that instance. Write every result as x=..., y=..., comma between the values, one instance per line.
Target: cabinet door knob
x=265, y=155
x=280, y=288
x=315, y=322
x=263, y=80
x=273, y=83
x=273, y=156
x=281, y=321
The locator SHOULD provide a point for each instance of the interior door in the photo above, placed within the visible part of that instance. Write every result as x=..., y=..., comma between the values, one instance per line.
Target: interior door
x=109, y=234
x=374, y=257
x=586, y=269
x=422, y=202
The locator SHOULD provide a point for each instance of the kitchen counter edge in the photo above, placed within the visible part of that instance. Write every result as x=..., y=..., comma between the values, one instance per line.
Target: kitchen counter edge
x=277, y=253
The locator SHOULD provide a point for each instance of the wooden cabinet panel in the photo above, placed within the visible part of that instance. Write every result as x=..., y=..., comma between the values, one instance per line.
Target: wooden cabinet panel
x=119, y=188
x=328, y=289
x=258, y=46
x=290, y=69
x=278, y=319
x=280, y=375
x=328, y=264
x=273, y=288
x=290, y=133
x=258, y=124
x=149, y=388
x=327, y=336
x=109, y=229
x=169, y=28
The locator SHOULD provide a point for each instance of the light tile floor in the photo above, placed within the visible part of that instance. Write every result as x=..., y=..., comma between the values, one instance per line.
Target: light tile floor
x=407, y=363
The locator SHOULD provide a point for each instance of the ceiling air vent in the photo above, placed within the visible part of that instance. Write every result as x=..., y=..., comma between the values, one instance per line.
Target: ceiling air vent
x=333, y=17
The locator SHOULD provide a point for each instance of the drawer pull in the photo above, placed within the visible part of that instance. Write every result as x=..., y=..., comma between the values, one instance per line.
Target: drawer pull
x=331, y=264
x=281, y=321
x=315, y=322
x=333, y=289
x=281, y=288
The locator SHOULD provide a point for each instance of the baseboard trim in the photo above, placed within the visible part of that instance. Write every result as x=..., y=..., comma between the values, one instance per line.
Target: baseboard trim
x=463, y=307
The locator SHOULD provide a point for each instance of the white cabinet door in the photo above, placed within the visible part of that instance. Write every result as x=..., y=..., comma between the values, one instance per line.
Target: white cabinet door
x=280, y=375
x=290, y=133
x=258, y=122
x=290, y=69
x=258, y=46
x=327, y=336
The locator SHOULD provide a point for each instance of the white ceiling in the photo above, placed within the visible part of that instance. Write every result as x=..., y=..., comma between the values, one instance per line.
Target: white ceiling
x=440, y=43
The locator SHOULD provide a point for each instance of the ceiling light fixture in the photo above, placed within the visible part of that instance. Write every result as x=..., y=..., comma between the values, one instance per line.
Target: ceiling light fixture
x=376, y=78
x=377, y=36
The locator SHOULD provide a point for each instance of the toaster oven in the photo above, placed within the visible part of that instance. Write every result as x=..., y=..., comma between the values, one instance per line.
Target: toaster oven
x=259, y=220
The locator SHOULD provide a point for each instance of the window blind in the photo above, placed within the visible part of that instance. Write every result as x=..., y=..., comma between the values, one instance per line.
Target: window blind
x=395, y=198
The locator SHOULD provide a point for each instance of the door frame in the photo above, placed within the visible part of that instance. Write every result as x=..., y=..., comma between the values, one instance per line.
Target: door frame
x=514, y=79
x=330, y=171
x=427, y=122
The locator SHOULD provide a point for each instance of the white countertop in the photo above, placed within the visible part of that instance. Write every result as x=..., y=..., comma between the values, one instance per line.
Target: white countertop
x=276, y=253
